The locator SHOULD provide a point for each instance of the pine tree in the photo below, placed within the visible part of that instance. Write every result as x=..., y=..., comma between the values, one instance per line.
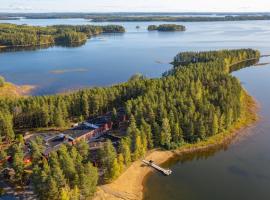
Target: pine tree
x=67, y=164
x=52, y=189
x=45, y=118
x=138, y=146
x=125, y=151
x=41, y=183
x=165, y=133
x=108, y=155
x=146, y=130
x=88, y=178
x=177, y=134
x=6, y=127
x=75, y=194
x=229, y=118
x=17, y=162
x=3, y=157
x=157, y=136
x=65, y=193
x=144, y=144
x=36, y=180
x=58, y=175
x=83, y=148
x=58, y=117
x=114, y=115
x=214, y=127
x=85, y=105
x=69, y=194
x=115, y=172
x=57, y=172
x=121, y=162
x=37, y=149
x=20, y=139
x=202, y=130
x=132, y=126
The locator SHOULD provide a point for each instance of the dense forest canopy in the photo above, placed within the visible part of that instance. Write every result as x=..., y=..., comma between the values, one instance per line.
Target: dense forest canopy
x=196, y=99
x=12, y=35
x=166, y=27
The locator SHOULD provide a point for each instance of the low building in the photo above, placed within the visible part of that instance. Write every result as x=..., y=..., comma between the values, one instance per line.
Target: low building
x=90, y=130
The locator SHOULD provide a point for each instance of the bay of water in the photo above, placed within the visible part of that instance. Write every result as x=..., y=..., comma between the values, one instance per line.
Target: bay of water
x=240, y=170
x=112, y=58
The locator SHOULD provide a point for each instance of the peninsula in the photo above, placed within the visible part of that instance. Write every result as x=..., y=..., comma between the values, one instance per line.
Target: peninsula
x=197, y=104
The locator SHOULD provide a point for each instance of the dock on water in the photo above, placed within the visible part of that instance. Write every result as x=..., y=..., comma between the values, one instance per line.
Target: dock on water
x=150, y=163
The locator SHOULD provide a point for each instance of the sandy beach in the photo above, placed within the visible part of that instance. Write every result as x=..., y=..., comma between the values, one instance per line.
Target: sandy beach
x=11, y=90
x=129, y=186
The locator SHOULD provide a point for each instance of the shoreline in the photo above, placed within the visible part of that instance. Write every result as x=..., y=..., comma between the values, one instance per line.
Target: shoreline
x=12, y=90
x=130, y=185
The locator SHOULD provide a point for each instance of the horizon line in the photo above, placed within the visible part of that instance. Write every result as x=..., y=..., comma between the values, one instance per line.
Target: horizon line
x=134, y=12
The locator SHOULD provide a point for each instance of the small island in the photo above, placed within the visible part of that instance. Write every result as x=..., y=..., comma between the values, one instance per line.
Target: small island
x=166, y=27
x=19, y=36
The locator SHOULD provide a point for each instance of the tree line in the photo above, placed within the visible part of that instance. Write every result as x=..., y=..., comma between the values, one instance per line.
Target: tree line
x=106, y=17
x=114, y=18
x=196, y=99
x=12, y=35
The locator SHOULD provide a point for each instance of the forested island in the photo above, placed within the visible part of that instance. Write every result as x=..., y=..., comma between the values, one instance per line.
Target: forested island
x=166, y=27
x=195, y=100
x=12, y=35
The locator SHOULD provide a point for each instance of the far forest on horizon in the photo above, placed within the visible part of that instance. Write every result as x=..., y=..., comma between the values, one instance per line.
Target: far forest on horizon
x=144, y=16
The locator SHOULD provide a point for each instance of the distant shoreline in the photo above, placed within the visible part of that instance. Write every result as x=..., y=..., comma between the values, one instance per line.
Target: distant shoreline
x=63, y=71
x=130, y=185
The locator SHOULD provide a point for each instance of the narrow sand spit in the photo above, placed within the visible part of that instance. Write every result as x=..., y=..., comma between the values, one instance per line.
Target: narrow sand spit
x=11, y=90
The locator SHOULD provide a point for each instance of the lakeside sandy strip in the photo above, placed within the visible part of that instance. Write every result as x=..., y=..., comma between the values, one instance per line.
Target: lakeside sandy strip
x=11, y=90
x=129, y=186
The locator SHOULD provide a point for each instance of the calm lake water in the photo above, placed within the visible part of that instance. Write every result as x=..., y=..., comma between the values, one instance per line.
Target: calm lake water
x=112, y=58
x=238, y=171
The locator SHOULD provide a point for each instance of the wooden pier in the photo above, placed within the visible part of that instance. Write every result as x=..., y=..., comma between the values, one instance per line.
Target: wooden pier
x=150, y=163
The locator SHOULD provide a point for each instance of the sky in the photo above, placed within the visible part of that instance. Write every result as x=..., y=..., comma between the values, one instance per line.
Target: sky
x=134, y=5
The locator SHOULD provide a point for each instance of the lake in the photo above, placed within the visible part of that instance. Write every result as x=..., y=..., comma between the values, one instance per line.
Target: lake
x=237, y=171
x=112, y=58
